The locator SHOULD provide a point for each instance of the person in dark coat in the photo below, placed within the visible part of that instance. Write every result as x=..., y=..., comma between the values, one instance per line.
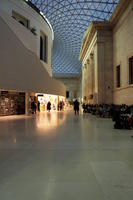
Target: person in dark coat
x=35, y=107
x=32, y=107
x=76, y=107
x=38, y=106
x=49, y=106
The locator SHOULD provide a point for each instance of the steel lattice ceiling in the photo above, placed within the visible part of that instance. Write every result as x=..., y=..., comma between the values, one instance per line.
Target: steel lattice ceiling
x=70, y=19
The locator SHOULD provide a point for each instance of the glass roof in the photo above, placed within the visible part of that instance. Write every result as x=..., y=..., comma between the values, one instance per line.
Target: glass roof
x=70, y=19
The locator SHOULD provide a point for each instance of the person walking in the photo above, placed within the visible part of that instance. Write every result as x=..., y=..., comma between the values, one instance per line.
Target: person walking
x=76, y=107
x=32, y=107
x=35, y=107
x=49, y=106
x=38, y=106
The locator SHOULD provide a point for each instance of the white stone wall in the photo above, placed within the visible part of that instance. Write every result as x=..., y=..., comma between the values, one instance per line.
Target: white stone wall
x=22, y=33
x=122, y=50
x=73, y=85
x=89, y=71
x=20, y=69
x=105, y=71
x=97, y=72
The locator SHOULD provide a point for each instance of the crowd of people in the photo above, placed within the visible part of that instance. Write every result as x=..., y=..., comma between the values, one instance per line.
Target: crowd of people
x=36, y=106
x=122, y=115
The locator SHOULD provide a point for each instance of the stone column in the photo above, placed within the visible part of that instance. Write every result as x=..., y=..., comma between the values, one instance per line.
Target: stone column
x=91, y=78
x=84, y=82
x=57, y=102
x=92, y=73
x=87, y=78
x=26, y=103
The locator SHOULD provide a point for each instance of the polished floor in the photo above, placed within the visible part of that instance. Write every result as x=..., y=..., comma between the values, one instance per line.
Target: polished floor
x=59, y=156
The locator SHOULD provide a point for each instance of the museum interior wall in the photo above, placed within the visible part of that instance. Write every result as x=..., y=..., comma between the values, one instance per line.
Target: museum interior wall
x=22, y=68
x=96, y=56
x=89, y=79
x=122, y=52
x=105, y=71
x=25, y=58
x=105, y=47
x=24, y=20
x=73, y=87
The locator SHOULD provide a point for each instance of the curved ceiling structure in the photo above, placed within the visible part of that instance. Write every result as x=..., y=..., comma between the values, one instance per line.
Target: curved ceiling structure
x=70, y=19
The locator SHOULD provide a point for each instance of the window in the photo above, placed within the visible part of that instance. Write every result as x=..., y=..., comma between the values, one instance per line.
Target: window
x=131, y=70
x=118, y=84
x=22, y=20
x=43, y=47
x=21, y=23
x=67, y=94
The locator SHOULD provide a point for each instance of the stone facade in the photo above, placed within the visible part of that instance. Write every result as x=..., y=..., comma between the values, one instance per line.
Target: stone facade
x=97, y=72
x=106, y=45
x=122, y=51
x=72, y=86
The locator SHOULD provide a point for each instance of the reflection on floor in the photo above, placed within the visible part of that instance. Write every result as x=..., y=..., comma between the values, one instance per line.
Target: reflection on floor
x=59, y=156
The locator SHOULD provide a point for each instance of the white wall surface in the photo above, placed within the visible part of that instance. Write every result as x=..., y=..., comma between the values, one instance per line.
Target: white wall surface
x=105, y=63
x=98, y=73
x=22, y=33
x=122, y=50
x=36, y=21
x=20, y=69
x=72, y=85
